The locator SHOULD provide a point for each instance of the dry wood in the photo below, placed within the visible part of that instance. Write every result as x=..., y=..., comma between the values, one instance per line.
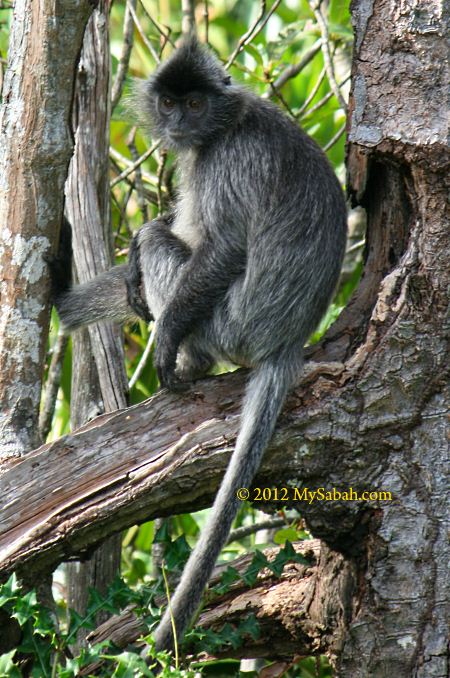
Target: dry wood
x=297, y=613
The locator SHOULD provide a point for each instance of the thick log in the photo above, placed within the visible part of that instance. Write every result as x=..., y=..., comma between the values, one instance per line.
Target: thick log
x=300, y=612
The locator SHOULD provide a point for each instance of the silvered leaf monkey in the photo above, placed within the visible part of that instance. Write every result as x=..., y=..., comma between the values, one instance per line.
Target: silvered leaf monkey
x=242, y=270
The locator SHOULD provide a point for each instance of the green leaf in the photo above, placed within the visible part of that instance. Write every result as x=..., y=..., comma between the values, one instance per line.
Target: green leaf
x=144, y=538
x=8, y=590
x=8, y=668
x=259, y=561
x=177, y=553
x=250, y=49
x=285, y=534
x=24, y=607
x=228, y=577
x=251, y=627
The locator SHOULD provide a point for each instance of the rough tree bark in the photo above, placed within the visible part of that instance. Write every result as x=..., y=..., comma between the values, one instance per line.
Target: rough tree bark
x=398, y=160
x=35, y=149
x=99, y=381
x=375, y=419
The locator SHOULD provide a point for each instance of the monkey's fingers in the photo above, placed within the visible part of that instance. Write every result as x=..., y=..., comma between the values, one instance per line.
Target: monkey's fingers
x=164, y=359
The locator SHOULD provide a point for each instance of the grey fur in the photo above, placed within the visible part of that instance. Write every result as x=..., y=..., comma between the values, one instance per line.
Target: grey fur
x=243, y=272
x=102, y=298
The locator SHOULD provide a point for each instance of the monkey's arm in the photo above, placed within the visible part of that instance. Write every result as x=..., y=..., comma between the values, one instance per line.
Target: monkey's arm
x=204, y=282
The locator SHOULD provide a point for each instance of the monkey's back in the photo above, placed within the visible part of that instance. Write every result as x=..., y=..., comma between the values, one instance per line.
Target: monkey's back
x=277, y=199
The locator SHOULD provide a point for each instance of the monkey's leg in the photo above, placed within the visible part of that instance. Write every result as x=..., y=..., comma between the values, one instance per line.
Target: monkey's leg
x=156, y=261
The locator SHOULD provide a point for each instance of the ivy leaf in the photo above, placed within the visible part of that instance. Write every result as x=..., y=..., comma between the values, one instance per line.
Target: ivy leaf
x=250, y=626
x=24, y=607
x=259, y=562
x=228, y=577
x=8, y=590
x=7, y=666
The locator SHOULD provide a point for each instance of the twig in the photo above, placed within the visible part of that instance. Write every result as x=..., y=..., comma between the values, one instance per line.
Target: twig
x=52, y=385
x=294, y=69
x=160, y=174
x=247, y=37
x=166, y=36
x=312, y=94
x=124, y=61
x=138, y=174
x=241, y=532
x=356, y=246
x=336, y=138
x=144, y=358
x=206, y=20
x=322, y=101
x=188, y=17
x=172, y=620
x=282, y=99
x=147, y=42
x=123, y=221
x=131, y=166
x=315, y=7
x=150, y=196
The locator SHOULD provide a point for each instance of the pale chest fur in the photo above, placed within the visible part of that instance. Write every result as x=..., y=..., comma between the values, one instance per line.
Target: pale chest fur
x=187, y=224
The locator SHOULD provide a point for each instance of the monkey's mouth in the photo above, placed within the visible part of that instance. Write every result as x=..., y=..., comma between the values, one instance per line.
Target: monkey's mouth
x=178, y=136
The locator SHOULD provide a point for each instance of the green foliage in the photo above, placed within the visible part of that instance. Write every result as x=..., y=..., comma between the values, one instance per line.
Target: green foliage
x=258, y=563
x=45, y=643
x=45, y=647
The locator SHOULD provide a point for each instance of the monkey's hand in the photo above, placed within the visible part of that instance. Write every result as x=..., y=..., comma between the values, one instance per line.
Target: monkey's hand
x=165, y=356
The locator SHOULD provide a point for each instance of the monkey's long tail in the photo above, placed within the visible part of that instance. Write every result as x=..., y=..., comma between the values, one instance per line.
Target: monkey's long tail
x=102, y=298
x=263, y=399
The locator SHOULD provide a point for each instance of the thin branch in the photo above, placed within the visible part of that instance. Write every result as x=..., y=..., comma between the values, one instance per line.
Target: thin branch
x=282, y=99
x=206, y=20
x=131, y=167
x=122, y=208
x=248, y=35
x=321, y=102
x=124, y=61
x=294, y=69
x=144, y=358
x=146, y=41
x=160, y=174
x=316, y=8
x=138, y=175
x=356, y=246
x=336, y=138
x=241, y=532
x=52, y=385
x=188, y=17
x=312, y=94
x=115, y=158
x=166, y=36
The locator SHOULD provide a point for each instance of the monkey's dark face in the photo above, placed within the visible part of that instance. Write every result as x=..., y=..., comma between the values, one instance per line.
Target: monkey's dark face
x=183, y=119
x=190, y=98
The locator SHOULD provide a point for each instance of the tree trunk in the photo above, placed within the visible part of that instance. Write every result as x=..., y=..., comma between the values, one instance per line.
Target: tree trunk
x=98, y=375
x=398, y=161
x=35, y=149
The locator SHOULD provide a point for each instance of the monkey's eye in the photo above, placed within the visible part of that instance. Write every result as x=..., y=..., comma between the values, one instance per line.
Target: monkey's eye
x=167, y=104
x=195, y=104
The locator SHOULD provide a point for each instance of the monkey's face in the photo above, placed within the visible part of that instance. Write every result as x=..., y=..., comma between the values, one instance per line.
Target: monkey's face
x=183, y=120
